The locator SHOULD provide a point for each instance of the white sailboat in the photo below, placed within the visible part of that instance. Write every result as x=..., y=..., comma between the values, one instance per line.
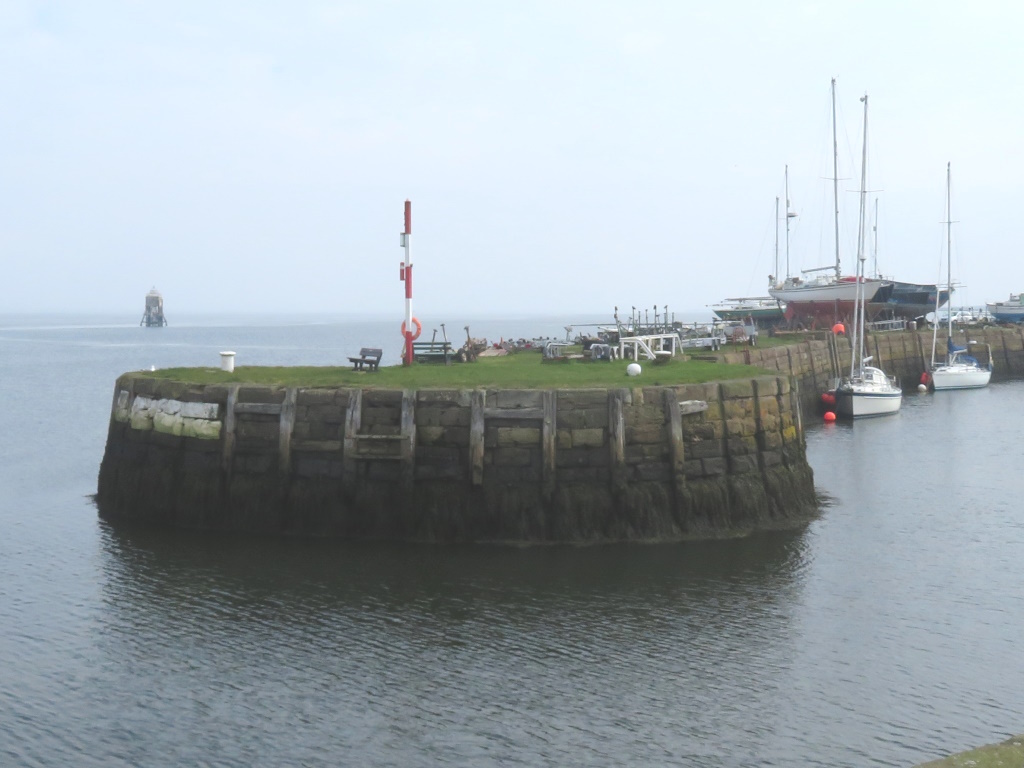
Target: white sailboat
x=823, y=292
x=960, y=371
x=867, y=391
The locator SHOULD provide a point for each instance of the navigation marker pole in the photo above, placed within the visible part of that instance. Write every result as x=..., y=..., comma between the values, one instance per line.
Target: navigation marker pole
x=405, y=274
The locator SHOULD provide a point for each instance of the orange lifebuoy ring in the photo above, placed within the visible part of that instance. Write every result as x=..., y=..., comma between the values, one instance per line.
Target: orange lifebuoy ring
x=419, y=329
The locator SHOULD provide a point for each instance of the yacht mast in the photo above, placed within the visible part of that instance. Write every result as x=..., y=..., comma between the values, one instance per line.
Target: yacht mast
x=788, y=217
x=949, y=278
x=835, y=173
x=874, y=231
x=857, y=363
x=776, y=278
x=949, y=258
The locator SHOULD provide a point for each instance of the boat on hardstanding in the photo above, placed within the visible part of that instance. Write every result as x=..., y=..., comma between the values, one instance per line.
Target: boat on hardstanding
x=1009, y=311
x=906, y=301
x=868, y=390
x=763, y=311
x=960, y=371
x=823, y=292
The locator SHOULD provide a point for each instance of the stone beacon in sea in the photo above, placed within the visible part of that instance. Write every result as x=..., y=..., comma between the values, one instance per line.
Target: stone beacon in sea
x=153, y=317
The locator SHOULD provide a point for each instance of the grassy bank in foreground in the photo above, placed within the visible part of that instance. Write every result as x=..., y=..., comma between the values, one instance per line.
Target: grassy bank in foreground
x=524, y=369
x=1008, y=754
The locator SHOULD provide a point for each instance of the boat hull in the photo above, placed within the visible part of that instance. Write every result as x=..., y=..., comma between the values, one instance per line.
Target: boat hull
x=855, y=405
x=868, y=393
x=760, y=315
x=1010, y=311
x=832, y=300
x=908, y=301
x=960, y=377
x=1006, y=314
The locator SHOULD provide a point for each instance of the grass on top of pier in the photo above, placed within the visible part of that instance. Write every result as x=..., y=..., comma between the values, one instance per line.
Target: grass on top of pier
x=522, y=369
x=1007, y=753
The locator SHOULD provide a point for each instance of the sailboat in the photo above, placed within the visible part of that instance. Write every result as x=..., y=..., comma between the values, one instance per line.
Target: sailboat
x=867, y=391
x=824, y=295
x=960, y=371
x=761, y=311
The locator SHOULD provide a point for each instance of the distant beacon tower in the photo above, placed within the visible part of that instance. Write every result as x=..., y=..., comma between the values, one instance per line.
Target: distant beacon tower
x=154, y=316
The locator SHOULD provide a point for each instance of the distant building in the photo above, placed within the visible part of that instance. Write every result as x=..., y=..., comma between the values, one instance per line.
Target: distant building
x=154, y=315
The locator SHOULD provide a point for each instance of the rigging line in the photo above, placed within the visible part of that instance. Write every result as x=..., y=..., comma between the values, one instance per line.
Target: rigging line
x=769, y=231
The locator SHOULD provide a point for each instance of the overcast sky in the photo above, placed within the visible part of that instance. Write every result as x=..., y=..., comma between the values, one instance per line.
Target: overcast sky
x=560, y=156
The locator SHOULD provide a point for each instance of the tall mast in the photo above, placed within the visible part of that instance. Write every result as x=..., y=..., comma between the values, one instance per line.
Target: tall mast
x=776, y=273
x=949, y=257
x=861, y=257
x=835, y=173
x=874, y=231
x=788, y=217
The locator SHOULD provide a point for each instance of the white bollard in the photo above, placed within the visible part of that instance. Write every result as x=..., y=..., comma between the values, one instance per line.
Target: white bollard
x=227, y=361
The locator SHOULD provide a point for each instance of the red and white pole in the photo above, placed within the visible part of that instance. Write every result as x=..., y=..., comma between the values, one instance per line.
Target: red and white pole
x=406, y=275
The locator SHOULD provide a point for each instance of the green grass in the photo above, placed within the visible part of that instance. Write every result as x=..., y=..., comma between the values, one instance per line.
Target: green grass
x=524, y=369
x=1008, y=754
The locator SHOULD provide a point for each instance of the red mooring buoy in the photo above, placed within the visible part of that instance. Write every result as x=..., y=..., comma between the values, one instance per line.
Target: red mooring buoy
x=828, y=398
x=925, y=378
x=839, y=329
x=829, y=417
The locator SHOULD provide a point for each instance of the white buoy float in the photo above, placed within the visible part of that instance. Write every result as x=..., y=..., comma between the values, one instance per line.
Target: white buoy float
x=633, y=369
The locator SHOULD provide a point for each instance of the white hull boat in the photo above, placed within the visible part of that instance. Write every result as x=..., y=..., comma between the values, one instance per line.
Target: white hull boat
x=960, y=376
x=868, y=393
x=1009, y=311
x=824, y=288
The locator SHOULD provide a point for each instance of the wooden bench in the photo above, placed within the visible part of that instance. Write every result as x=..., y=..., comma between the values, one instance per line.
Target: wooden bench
x=367, y=357
x=432, y=352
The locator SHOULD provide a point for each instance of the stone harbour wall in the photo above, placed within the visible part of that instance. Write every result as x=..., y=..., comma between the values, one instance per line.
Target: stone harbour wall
x=587, y=465
x=814, y=362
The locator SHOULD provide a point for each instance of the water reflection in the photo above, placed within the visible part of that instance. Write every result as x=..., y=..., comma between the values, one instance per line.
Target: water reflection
x=465, y=654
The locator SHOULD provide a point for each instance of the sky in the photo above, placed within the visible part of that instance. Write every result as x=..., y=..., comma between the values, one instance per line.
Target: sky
x=560, y=156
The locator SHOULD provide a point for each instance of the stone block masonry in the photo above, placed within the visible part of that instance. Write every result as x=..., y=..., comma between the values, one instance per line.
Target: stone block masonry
x=648, y=463
x=814, y=361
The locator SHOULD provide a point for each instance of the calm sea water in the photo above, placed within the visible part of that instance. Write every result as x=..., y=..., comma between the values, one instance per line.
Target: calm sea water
x=886, y=632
